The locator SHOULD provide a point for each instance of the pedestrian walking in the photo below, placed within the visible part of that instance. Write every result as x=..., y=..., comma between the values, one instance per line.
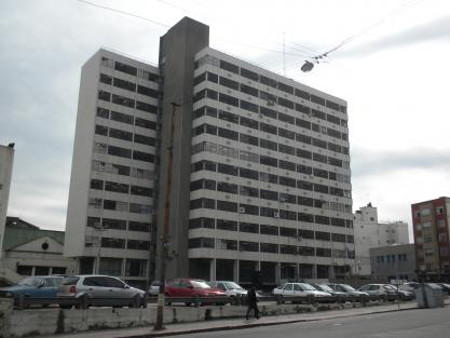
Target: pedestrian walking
x=252, y=302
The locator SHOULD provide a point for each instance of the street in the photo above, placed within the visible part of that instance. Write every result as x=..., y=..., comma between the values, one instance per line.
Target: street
x=420, y=323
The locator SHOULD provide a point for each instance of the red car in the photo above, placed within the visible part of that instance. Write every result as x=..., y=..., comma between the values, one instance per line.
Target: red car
x=191, y=288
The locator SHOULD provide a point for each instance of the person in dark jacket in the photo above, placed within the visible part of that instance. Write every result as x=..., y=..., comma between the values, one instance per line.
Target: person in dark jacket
x=252, y=302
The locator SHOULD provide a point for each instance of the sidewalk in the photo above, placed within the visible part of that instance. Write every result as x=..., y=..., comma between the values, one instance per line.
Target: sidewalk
x=231, y=324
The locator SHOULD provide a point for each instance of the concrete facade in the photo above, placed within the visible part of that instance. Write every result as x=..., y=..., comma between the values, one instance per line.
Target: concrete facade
x=393, y=264
x=260, y=173
x=6, y=167
x=431, y=222
x=370, y=233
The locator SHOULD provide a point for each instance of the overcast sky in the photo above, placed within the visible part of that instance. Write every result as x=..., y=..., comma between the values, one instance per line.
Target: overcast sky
x=393, y=71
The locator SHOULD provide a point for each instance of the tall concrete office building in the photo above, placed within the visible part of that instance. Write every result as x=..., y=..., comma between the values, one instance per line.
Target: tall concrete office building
x=251, y=168
x=6, y=166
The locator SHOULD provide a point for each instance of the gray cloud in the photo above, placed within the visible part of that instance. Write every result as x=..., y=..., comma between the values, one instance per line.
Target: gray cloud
x=433, y=30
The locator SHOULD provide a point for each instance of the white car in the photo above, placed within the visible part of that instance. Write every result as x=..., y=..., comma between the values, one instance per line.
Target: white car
x=153, y=290
x=230, y=288
x=300, y=290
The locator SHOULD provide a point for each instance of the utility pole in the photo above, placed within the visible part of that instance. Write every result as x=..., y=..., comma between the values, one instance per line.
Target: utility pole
x=159, y=324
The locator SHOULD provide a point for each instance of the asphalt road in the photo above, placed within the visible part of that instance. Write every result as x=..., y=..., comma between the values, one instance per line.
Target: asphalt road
x=420, y=323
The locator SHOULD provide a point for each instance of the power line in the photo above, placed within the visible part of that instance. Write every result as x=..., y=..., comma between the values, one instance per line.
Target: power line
x=125, y=13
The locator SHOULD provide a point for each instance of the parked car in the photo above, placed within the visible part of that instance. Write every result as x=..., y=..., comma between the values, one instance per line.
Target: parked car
x=350, y=291
x=402, y=294
x=409, y=286
x=445, y=288
x=378, y=290
x=299, y=290
x=339, y=295
x=154, y=288
x=231, y=289
x=100, y=290
x=191, y=288
x=33, y=287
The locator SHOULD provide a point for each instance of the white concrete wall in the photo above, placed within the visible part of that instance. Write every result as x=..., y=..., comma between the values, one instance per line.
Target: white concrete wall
x=6, y=165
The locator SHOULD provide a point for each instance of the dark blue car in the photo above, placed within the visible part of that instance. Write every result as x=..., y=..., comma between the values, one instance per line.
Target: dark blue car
x=33, y=287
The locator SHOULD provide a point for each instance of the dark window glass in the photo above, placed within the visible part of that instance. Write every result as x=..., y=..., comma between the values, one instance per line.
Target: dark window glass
x=101, y=130
x=227, y=99
x=102, y=112
x=304, y=169
x=303, y=123
x=286, y=118
x=212, y=77
x=228, y=83
x=249, y=227
x=105, y=96
x=267, y=160
x=201, y=242
x=303, y=217
x=249, y=74
x=268, y=195
x=123, y=101
x=97, y=184
x=248, y=246
x=141, y=191
x=305, y=201
x=306, y=251
x=244, y=121
x=124, y=84
x=319, y=114
x=249, y=90
x=248, y=191
x=285, y=88
x=268, y=112
x=316, y=127
x=288, y=198
x=229, y=134
x=319, y=158
x=288, y=249
x=304, y=154
x=285, y=103
x=147, y=91
x=209, y=129
x=304, y=185
x=121, y=67
x=227, y=116
x=249, y=106
x=145, y=123
x=268, y=229
x=307, y=234
x=227, y=169
x=302, y=94
x=227, y=206
x=150, y=141
x=317, y=99
x=229, y=67
x=303, y=138
x=287, y=181
x=267, y=81
x=248, y=209
x=321, y=188
x=93, y=222
x=113, y=243
x=105, y=79
x=286, y=133
x=248, y=139
x=138, y=245
x=203, y=203
x=336, y=191
x=199, y=79
x=320, y=173
x=139, y=226
x=323, y=236
x=268, y=247
x=202, y=222
x=270, y=178
x=248, y=173
x=264, y=143
x=120, y=134
x=227, y=187
x=335, y=162
x=149, y=108
x=118, y=224
x=286, y=165
x=333, y=119
x=268, y=212
x=334, y=133
x=117, y=151
x=286, y=149
x=334, y=147
x=141, y=156
x=268, y=128
x=116, y=187
x=303, y=109
x=286, y=214
x=319, y=143
x=120, y=117
x=223, y=224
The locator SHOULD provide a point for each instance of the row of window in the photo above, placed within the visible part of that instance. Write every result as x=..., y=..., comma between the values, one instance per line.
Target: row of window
x=250, y=123
x=137, y=208
x=266, y=194
x=229, y=244
x=249, y=156
x=124, y=135
x=250, y=209
x=126, y=118
x=269, y=178
x=391, y=258
x=127, y=102
x=271, y=230
x=117, y=224
x=121, y=188
x=118, y=243
x=270, y=99
x=130, y=70
x=130, y=86
x=254, y=108
x=248, y=74
x=118, y=169
x=103, y=148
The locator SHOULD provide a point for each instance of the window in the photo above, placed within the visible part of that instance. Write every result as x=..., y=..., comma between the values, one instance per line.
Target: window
x=249, y=139
x=229, y=134
x=121, y=152
x=230, y=100
x=101, y=130
x=142, y=156
x=287, y=181
x=264, y=143
x=105, y=79
x=267, y=160
x=116, y=187
x=249, y=227
x=227, y=187
x=249, y=106
x=113, y=243
x=303, y=124
x=150, y=141
x=227, y=206
x=103, y=113
x=139, y=226
x=249, y=90
x=286, y=118
x=227, y=116
x=286, y=165
x=268, y=128
x=303, y=217
x=226, y=225
x=269, y=195
x=201, y=242
x=248, y=173
x=140, y=208
x=202, y=222
x=141, y=191
x=288, y=232
x=229, y=67
x=248, y=122
x=268, y=112
x=248, y=209
x=287, y=150
x=269, y=178
x=304, y=153
x=286, y=133
x=121, y=67
x=120, y=134
x=228, y=83
x=118, y=224
x=124, y=84
x=249, y=74
x=322, y=236
x=288, y=250
x=138, y=245
x=123, y=101
x=149, y=108
x=105, y=96
x=227, y=169
x=269, y=248
x=268, y=229
x=248, y=246
x=120, y=117
x=267, y=81
x=285, y=103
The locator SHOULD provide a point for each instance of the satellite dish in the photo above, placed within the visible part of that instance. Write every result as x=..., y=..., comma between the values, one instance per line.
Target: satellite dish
x=307, y=67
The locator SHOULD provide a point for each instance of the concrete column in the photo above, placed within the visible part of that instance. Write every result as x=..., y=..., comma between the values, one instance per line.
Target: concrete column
x=297, y=272
x=278, y=273
x=314, y=271
x=236, y=271
x=213, y=269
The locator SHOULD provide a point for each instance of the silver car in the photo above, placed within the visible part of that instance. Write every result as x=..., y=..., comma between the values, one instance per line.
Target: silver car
x=100, y=290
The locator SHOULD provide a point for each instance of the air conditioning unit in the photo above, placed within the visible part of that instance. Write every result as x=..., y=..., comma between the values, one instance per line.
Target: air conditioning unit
x=282, y=199
x=276, y=214
x=241, y=210
x=271, y=102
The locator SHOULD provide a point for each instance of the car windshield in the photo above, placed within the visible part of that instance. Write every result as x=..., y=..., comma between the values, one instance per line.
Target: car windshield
x=307, y=287
x=324, y=288
x=32, y=281
x=232, y=286
x=347, y=287
x=200, y=285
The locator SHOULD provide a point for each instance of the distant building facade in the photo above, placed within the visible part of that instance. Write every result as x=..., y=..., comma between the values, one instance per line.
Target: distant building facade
x=431, y=222
x=369, y=233
x=6, y=167
x=391, y=263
